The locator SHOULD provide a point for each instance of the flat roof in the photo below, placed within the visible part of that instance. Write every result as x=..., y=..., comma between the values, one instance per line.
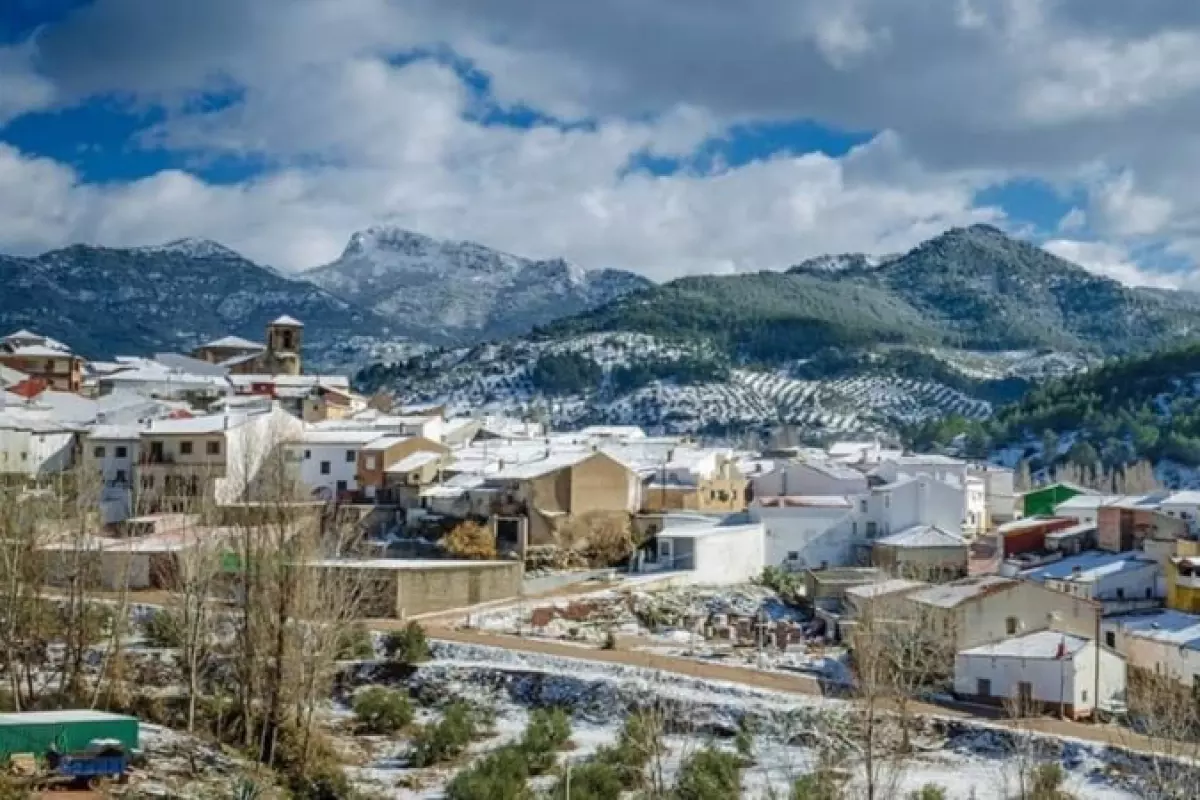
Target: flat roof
x=951, y=595
x=64, y=715
x=1168, y=626
x=410, y=564
x=1040, y=644
x=890, y=586
x=1092, y=565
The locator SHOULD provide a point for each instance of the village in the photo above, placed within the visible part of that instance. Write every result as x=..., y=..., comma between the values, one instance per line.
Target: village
x=784, y=568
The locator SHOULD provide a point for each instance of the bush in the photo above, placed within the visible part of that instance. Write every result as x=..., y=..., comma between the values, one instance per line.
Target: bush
x=381, y=710
x=547, y=732
x=638, y=743
x=710, y=774
x=446, y=739
x=930, y=791
x=596, y=779
x=815, y=786
x=501, y=775
x=319, y=776
x=471, y=540
x=409, y=646
x=355, y=643
x=1046, y=782
x=163, y=628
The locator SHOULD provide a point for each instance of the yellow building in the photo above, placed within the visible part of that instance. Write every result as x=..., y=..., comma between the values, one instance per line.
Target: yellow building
x=1183, y=577
x=704, y=481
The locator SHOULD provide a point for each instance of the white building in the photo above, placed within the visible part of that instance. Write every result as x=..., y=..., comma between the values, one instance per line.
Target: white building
x=942, y=468
x=1084, y=507
x=1114, y=579
x=809, y=478
x=328, y=459
x=1184, y=505
x=33, y=447
x=975, y=512
x=707, y=550
x=910, y=501
x=1047, y=669
x=113, y=451
x=999, y=492
x=1166, y=643
x=807, y=532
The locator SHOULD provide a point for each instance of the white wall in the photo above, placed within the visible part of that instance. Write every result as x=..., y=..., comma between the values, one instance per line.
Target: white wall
x=310, y=457
x=23, y=452
x=734, y=556
x=924, y=501
x=1130, y=584
x=813, y=534
x=1052, y=680
x=1164, y=658
x=248, y=446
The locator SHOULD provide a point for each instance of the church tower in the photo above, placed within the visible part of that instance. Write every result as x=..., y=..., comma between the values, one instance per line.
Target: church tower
x=284, y=338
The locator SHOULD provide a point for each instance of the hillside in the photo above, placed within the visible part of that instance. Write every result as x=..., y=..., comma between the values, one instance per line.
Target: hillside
x=446, y=292
x=970, y=288
x=109, y=301
x=1139, y=407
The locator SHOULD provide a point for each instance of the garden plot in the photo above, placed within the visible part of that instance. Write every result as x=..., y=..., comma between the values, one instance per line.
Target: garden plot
x=790, y=735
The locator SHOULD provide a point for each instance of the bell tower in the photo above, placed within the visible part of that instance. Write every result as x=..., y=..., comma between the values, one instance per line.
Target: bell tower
x=284, y=339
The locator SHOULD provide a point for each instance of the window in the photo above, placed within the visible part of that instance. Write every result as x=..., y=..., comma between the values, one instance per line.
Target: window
x=24, y=456
x=122, y=451
x=1120, y=593
x=1025, y=694
x=49, y=366
x=370, y=462
x=324, y=467
x=120, y=478
x=212, y=448
x=185, y=448
x=854, y=529
x=793, y=555
x=98, y=452
x=307, y=455
x=1083, y=695
x=862, y=506
x=871, y=529
x=341, y=486
x=1010, y=626
x=1149, y=592
x=887, y=501
x=147, y=481
x=350, y=456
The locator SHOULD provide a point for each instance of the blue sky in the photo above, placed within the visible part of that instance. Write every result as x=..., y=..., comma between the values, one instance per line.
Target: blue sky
x=665, y=137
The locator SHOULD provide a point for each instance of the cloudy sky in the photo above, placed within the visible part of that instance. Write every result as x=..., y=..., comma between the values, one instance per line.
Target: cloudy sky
x=664, y=136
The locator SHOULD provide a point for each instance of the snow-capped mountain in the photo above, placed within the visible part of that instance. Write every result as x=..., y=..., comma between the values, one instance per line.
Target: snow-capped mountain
x=460, y=292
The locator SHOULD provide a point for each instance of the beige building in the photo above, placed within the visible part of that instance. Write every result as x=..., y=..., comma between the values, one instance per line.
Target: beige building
x=279, y=356
x=216, y=458
x=404, y=588
x=696, y=480
x=922, y=552
x=378, y=456
x=44, y=359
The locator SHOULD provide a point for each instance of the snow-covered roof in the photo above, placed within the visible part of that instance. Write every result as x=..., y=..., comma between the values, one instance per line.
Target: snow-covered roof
x=890, y=586
x=39, y=351
x=211, y=423
x=22, y=335
x=1039, y=644
x=413, y=461
x=384, y=442
x=923, y=536
x=535, y=469
x=335, y=436
x=1092, y=565
x=238, y=360
x=195, y=366
x=712, y=527
x=1085, y=502
x=614, y=431
x=234, y=343
x=454, y=487
x=952, y=595
x=1169, y=626
x=1185, y=498
x=10, y=376
x=834, y=470
x=288, y=320
x=1029, y=523
x=116, y=432
x=805, y=501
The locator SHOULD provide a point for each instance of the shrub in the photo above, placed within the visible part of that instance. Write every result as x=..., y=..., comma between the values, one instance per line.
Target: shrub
x=315, y=776
x=596, y=779
x=710, y=774
x=639, y=741
x=381, y=710
x=409, y=646
x=818, y=785
x=547, y=732
x=1046, y=782
x=355, y=643
x=446, y=739
x=163, y=628
x=501, y=775
x=930, y=791
x=471, y=540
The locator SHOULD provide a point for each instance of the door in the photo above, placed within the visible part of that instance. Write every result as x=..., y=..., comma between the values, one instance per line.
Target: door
x=156, y=452
x=1025, y=697
x=666, y=552
x=983, y=687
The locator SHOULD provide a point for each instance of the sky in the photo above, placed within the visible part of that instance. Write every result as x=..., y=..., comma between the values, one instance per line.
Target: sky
x=668, y=137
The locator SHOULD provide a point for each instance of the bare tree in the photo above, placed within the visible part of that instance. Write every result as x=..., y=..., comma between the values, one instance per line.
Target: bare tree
x=1165, y=717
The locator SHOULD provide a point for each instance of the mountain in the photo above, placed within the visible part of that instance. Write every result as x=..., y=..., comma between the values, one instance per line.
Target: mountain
x=446, y=292
x=970, y=288
x=110, y=301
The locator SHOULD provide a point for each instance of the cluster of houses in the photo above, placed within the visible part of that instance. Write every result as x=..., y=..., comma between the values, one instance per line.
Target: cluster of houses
x=1049, y=596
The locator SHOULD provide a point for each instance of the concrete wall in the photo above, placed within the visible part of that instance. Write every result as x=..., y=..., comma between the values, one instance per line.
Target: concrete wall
x=600, y=483
x=921, y=563
x=814, y=535
x=444, y=588
x=733, y=557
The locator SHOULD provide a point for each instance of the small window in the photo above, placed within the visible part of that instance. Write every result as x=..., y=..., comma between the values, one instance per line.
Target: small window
x=98, y=452
x=793, y=555
x=370, y=463
x=871, y=529
x=350, y=456
x=983, y=687
x=185, y=448
x=212, y=448
x=1110, y=639
x=862, y=506
x=147, y=481
x=49, y=366
x=887, y=501
x=854, y=529
x=24, y=456
x=122, y=452
x=324, y=467
x=121, y=476
x=1083, y=695
x=341, y=486
x=1010, y=626
x=1149, y=592
x=1120, y=594
x=307, y=455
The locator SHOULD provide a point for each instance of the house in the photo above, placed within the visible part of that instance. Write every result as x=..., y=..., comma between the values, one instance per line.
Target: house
x=809, y=478
x=328, y=460
x=1000, y=495
x=832, y=584
x=1183, y=581
x=382, y=453
x=910, y=501
x=279, y=356
x=1044, y=500
x=1164, y=643
x=1028, y=534
x=399, y=588
x=804, y=532
x=111, y=451
x=1183, y=505
x=33, y=447
x=1047, y=671
x=214, y=458
x=707, y=481
x=942, y=468
x=405, y=479
x=1120, y=581
x=1126, y=523
x=323, y=403
x=924, y=552
x=879, y=599
x=44, y=359
x=562, y=486
x=709, y=550
x=1084, y=507
x=987, y=608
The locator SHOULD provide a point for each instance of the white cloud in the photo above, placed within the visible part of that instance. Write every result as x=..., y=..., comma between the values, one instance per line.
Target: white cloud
x=21, y=88
x=1110, y=261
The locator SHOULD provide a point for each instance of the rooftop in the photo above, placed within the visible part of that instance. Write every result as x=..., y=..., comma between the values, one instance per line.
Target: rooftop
x=1091, y=565
x=287, y=320
x=805, y=501
x=923, y=536
x=890, y=586
x=211, y=423
x=1186, y=498
x=234, y=343
x=1040, y=644
x=413, y=461
x=834, y=470
x=39, y=351
x=1168, y=626
x=952, y=595
x=67, y=715
x=1031, y=523
x=335, y=436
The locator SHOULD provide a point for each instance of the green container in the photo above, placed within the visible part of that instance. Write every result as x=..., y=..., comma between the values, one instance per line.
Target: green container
x=70, y=731
x=1042, y=502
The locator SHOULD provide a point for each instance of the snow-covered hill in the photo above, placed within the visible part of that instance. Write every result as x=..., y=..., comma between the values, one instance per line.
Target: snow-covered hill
x=461, y=292
x=501, y=377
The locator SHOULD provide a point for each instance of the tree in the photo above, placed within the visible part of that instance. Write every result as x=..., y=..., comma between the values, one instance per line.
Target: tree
x=408, y=646
x=382, y=710
x=500, y=775
x=548, y=731
x=471, y=540
x=710, y=774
